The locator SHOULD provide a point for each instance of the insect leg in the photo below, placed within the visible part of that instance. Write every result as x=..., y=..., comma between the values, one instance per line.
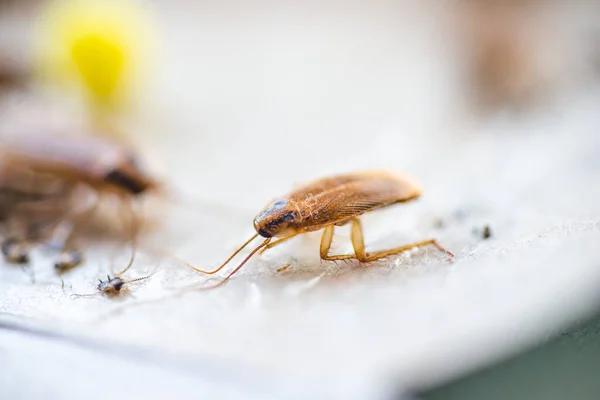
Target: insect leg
x=358, y=241
x=275, y=243
x=385, y=253
x=326, y=241
x=357, y=238
x=326, y=245
x=284, y=268
x=15, y=251
x=359, y=245
x=29, y=216
x=62, y=234
x=67, y=260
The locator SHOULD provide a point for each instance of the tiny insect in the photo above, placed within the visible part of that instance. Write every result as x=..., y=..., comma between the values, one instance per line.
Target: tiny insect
x=111, y=287
x=327, y=203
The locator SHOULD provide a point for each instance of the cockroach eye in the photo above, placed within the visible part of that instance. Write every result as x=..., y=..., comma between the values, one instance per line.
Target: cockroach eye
x=289, y=216
x=117, y=177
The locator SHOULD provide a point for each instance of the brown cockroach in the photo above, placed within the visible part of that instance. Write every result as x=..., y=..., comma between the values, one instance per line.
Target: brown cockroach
x=41, y=171
x=327, y=203
x=39, y=174
x=94, y=160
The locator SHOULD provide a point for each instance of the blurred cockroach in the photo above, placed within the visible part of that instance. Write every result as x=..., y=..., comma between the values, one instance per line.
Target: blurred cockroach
x=12, y=75
x=39, y=175
x=330, y=202
x=94, y=160
x=48, y=168
x=505, y=66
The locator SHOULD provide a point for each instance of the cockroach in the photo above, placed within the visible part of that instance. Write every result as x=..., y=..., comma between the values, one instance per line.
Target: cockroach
x=39, y=174
x=327, y=203
x=94, y=160
x=63, y=163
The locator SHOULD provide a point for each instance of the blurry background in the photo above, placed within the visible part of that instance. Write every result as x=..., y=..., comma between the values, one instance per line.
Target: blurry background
x=491, y=105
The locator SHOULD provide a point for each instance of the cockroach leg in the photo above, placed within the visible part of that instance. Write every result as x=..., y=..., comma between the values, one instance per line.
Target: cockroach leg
x=15, y=251
x=326, y=203
x=277, y=242
x=68, y=260
x=60, y=236
x=359, y=246
x=326, y=245
x=385, y=253
x=326, y=241
x=284, y=268
x=358, y=240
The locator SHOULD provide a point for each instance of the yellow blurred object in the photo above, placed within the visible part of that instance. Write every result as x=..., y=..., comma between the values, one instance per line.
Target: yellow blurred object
x=102, y=49
x=100, y=63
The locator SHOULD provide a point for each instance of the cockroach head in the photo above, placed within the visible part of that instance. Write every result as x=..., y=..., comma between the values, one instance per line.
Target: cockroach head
x=130, y=177
x=277, y=219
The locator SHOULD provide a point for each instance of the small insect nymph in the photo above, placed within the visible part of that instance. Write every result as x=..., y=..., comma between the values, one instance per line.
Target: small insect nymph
x=330, y=202
x=111, y=287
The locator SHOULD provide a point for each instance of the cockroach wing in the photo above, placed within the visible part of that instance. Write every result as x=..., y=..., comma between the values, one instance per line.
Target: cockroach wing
x=337, y=204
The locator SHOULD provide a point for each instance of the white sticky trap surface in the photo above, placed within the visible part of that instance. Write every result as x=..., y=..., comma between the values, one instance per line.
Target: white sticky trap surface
x=255, y=102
